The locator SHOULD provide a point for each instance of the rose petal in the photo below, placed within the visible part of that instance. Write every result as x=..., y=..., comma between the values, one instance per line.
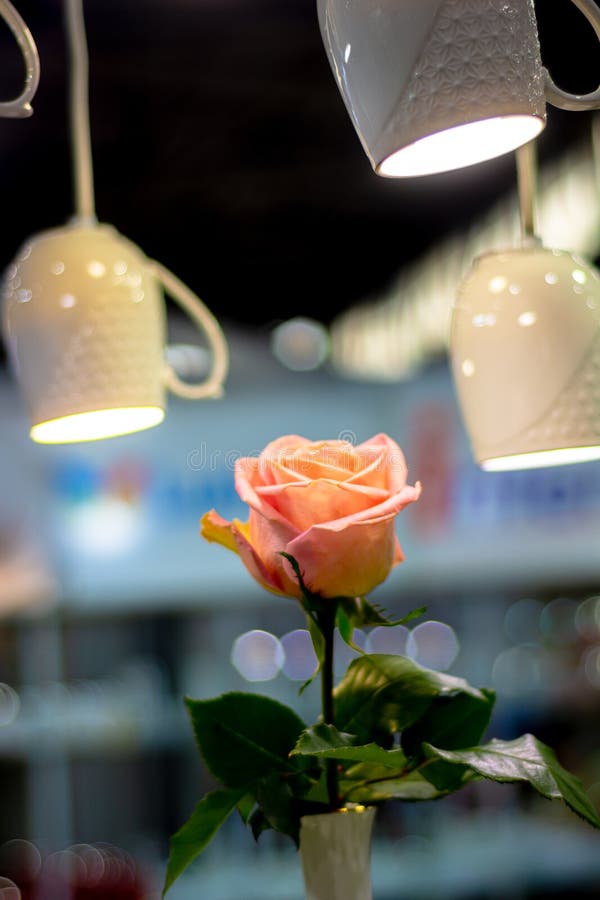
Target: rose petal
x=340, y=528
x=398, y=553
x=273, y=459
x=279, y=449
x=281, y=473
x=351, y=556
x=308, y=503
x=235, y=536
x=271, y=538
x=387, y=510
x=217, y=530
x=269, y=579
x=312, y=467
x=247, y=477
x=349, y=562
x=390, y=460
x=324, y=459
x=374, y=472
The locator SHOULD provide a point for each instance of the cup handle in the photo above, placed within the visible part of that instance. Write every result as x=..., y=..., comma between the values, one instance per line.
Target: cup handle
x=191, y=304
x=20, y=107
x=555, y=95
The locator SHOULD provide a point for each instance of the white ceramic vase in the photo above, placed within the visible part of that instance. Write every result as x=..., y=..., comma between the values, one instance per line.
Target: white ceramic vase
x=335, y=850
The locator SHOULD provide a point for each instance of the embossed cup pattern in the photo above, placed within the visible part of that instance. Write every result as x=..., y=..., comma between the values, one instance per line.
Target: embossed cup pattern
x=411, y=69
x=525, y=350
x=85, y=323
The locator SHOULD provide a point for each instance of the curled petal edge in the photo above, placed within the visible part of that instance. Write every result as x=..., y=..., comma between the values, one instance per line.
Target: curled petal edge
x=374, y=514
x=235, y=536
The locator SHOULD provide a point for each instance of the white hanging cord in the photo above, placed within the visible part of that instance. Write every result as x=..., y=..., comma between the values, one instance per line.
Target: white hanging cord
x=81, y=142
x=86, y=215
x=596, y=151
x=526, y=159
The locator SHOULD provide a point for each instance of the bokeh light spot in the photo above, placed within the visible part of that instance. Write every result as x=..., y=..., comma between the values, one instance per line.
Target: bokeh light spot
x=557, y=620
x=591, y=666
x=300, y=344
x=587, y=617
x=20, y=860
x=9, y=890
x=522, y=670
x=10, y=704
x=433, y=644
x=388, y=640
x=257, y=655
x=522, y=620
x=300, y=659
x=343, y=654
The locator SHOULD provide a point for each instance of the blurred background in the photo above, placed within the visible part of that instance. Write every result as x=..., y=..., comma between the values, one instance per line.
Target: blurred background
x=222, y=147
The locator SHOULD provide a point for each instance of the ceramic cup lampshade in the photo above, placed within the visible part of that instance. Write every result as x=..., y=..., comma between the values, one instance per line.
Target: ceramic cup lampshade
x=85, y=326
x=432, y=85
x=525, y=354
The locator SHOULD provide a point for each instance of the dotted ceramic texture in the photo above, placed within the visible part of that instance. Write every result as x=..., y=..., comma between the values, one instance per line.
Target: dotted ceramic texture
x=525, y=352
x=479, y=61
x=574, y=419
x=84, y=338
x=108, y=362
x=372, y=47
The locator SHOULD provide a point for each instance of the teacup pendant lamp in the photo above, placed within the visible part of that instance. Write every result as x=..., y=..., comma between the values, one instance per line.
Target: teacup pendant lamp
x=434, y=85
x=525, y=351
x=86, y=327
x=84, y=316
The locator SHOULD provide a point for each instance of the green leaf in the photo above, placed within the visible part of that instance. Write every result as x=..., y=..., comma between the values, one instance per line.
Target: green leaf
x=411, y=786
x=311, y=602
x=345, y=625
x=308, y=681
x=370, y=771
x=322, y=737
x=318, y=642
x=245, y=807
x=524, y=759
x=364, y=613
x=409, y=617
x=243, y=737
x=297, y=572
x=452, y=721
x=318, y=794
x=326, y=742
x=446, y=777
x=258, y=823
x=382, y=694
x=198, y=831
x=365, y=753
x=276, y=801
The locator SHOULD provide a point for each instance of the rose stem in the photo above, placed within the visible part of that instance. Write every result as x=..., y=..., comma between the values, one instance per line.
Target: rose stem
x=327, y=625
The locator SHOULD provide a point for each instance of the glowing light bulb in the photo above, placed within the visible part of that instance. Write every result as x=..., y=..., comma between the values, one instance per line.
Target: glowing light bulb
x=95, y=425
x=463, y=145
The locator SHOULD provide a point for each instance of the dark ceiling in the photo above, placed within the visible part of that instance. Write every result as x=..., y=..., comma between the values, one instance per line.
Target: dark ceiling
x=222, y=147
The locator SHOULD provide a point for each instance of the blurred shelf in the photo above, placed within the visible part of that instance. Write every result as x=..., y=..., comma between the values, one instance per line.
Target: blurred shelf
x=93, y=727
x=501, y=855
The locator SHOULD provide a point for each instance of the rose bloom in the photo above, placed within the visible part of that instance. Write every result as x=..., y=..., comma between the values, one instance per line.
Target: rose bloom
x=329, y=504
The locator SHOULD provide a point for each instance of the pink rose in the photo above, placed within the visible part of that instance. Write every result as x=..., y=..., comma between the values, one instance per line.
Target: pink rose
x=329, y=504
